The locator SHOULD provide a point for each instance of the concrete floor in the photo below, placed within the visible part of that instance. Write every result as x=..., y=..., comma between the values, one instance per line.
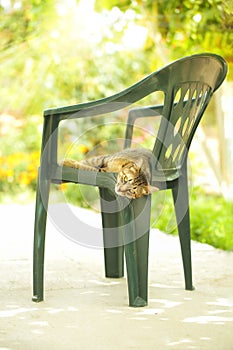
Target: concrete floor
x=83, y=310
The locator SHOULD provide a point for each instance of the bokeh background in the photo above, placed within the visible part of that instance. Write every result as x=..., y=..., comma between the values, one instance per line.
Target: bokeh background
x=62, y=52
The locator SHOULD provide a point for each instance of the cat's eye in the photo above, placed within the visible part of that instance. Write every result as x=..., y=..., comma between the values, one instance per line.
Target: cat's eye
x=125, y=178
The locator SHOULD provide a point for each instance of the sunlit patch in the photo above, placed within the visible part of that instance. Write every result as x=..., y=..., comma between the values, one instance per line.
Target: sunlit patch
x=222, y=302
x=151, y=312
x=182, y=341
x=139, y=318
x=40, y=323
x=113, y=311
x=56, y=311
x=14, y=312
x=166, y=303
x=208, y=319
x=102, y=283
x=72, y=309
x=87, y=292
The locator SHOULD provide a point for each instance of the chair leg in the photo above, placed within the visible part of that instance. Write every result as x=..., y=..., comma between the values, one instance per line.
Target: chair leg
x=136, y=219
x=181, y=204
x=39, y=240
x=113, y=242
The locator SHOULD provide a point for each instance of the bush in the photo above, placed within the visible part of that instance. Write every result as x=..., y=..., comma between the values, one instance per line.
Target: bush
x=211, y=218
x=19, y=154
x=18, y=172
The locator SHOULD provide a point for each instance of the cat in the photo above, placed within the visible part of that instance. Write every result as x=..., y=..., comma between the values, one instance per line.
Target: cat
x=132, y=166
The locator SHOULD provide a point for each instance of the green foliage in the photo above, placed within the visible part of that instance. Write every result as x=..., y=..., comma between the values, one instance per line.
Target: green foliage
x=24, y=138
x=178, y=27
x=21, y=19
x=50, y=55
x=108, y=5
x=19, y=157
x=211, y=218
x=80, y=195
x=198, y=25
x=18, y=173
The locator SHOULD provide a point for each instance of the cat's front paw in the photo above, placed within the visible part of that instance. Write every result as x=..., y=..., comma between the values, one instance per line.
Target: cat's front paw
x=69, y=163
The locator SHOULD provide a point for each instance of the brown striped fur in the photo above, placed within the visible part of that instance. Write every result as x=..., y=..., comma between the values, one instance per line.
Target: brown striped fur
x=132, y=166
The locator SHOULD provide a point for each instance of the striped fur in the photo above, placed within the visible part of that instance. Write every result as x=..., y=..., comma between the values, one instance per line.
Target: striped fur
x=132, y=166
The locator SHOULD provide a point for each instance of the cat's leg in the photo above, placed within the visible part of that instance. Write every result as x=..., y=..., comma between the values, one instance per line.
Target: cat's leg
x=93, y=164
x=70, y=163
x=77, y=165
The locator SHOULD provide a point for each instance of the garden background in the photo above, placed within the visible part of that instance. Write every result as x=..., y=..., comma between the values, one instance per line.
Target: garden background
x=57, y=52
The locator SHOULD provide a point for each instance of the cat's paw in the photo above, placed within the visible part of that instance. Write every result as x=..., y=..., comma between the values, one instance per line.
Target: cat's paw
x=69, y=163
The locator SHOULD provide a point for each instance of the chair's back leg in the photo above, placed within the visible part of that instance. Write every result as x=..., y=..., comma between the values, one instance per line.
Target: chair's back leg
x=42, y=197
x=112, y=235
x=181, y=204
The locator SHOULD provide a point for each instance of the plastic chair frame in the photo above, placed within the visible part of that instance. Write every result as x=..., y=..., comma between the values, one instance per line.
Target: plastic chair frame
x=126, y=228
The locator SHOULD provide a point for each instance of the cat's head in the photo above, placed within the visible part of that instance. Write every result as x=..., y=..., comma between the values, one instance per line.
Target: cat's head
x=132, y=182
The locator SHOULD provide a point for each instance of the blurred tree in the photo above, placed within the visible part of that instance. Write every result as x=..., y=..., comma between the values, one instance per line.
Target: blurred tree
x=20, y=20
x=23, y=25
x=181, y=27
x=50, y=55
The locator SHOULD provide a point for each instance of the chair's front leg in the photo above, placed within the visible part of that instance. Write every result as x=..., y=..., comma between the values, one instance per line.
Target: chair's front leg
x=136, y=221
x=39, y=239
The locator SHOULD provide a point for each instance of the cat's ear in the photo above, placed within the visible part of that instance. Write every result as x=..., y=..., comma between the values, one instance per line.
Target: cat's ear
x=152, y=189
x=139, y=162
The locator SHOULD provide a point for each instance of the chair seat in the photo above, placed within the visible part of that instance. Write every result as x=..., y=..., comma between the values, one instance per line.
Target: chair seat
x=60, y=174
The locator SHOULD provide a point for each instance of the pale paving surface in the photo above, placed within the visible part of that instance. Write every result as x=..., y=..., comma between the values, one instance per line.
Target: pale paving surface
x=85, y=311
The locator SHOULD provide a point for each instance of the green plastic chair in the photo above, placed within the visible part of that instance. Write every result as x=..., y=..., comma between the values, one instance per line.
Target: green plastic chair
x=188, y=85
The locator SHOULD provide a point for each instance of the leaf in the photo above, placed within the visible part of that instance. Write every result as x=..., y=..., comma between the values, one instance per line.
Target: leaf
x=108, y=5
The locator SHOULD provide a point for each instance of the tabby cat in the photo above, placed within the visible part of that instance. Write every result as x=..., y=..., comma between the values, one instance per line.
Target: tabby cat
x=132, y=166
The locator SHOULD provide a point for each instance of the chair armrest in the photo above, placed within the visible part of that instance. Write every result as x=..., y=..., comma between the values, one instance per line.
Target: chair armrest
x=85, y=109
x=141, y=112
x=109, y=104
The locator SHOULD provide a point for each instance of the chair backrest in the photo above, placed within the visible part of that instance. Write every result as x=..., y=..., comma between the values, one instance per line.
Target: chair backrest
x=188, y=85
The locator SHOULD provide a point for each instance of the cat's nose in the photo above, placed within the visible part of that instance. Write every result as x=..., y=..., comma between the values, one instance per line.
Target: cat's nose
x=120, y=190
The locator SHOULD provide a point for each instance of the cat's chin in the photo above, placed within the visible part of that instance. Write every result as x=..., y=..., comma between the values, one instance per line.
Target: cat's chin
x=122, y=194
